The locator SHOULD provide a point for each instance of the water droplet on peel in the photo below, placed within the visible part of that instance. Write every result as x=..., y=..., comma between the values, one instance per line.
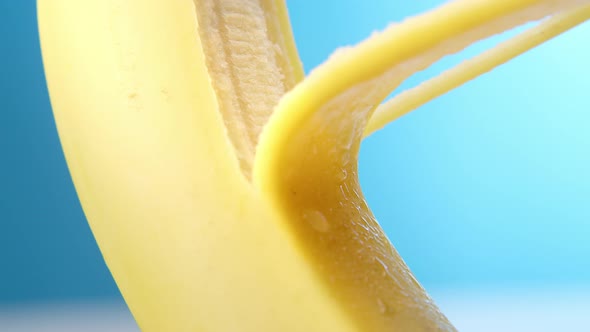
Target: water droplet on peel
x=366, y=278
x=314, y=150
x=345, y=157
x=382, y=306
x=317, y=220
x=342, y=175
x=385, y=272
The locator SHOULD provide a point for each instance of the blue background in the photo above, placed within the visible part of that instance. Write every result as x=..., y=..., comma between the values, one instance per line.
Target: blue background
x=485, y=187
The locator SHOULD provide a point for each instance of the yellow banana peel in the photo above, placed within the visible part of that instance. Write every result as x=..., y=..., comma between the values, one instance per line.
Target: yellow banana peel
x=220, y=184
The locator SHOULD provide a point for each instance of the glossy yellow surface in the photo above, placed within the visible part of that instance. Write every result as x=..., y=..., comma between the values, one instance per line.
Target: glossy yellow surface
x=220, y=185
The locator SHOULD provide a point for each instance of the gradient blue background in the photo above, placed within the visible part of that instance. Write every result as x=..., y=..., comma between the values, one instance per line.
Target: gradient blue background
x=484, y=187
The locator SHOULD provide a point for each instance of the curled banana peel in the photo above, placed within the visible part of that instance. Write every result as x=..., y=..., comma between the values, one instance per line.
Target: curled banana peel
x=220, y=184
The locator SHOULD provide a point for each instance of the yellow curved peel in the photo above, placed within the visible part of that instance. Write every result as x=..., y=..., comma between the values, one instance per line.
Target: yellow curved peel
x=411, y=99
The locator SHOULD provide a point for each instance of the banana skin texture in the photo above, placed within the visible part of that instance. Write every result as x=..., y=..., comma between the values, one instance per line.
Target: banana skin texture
x=221, y=184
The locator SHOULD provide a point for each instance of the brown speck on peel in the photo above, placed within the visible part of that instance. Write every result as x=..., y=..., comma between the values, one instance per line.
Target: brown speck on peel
x=165, y=93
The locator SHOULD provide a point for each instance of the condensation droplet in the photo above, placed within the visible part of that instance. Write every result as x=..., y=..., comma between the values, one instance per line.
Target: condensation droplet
x=366, y=278
x=382, y=306
x=314, y=150
x=342, y=175
x=385, y=272
x=317, y=220
x=344, y=158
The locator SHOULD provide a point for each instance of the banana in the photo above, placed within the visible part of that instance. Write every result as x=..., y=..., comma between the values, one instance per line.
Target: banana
x=220, y=184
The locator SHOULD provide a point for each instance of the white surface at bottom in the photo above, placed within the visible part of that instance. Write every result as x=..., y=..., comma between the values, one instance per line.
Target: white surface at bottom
x=73, y=317
x=517, y=310
x=470, y=311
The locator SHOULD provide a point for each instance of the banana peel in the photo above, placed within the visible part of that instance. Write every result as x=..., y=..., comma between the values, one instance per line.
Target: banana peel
x=220, y=184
